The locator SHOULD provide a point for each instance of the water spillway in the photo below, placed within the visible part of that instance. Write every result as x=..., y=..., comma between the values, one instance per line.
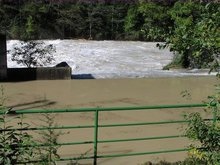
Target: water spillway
x=112, y=59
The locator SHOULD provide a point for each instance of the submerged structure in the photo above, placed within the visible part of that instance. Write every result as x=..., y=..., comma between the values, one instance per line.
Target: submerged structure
x=24, y=74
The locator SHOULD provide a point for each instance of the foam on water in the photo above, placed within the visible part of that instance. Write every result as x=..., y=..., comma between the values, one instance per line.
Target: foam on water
x=111, y=59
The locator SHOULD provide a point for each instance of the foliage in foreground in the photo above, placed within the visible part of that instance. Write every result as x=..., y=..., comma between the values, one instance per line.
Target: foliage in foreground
x=49, y=153
x=18, y=146
x=11, y=141
x=206, y=133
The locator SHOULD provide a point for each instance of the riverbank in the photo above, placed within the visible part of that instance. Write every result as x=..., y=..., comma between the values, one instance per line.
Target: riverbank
x=115, y=92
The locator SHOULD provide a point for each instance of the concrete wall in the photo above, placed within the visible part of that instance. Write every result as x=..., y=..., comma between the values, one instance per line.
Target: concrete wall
x=25, y=74
x=3, y=57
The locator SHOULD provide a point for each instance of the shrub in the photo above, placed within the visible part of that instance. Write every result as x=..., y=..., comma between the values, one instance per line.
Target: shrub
x=196, y=35
x=12, y=143
x=19, y=147
x=207, y=133
x=33, y=53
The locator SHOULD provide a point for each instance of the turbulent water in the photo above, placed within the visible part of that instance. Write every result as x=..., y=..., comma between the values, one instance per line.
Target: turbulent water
x=111, y=59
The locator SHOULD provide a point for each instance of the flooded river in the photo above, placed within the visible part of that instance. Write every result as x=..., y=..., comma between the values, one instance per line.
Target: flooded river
x=106, y=61
x=112, y=59
x=114, y=92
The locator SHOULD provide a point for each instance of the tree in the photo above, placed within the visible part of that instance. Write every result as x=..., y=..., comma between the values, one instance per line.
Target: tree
x=32, y=53
x=134, y=22
x=156, y=23
x=7, y=18
x=196, y=35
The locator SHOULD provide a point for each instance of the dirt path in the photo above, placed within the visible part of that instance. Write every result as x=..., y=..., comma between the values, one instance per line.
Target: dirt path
x=118, y=92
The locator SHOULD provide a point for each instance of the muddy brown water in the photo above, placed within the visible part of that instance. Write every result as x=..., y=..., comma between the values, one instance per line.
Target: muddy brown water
x=59, y=94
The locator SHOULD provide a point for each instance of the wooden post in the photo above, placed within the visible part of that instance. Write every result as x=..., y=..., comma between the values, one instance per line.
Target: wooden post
x=3, y=57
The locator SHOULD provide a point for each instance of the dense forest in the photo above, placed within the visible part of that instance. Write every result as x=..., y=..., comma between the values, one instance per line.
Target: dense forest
x=189, y=28
x=72, y=19
x=87, y=19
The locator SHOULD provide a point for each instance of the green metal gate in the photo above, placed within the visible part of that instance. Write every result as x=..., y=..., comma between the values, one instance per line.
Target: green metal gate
x=96, y=141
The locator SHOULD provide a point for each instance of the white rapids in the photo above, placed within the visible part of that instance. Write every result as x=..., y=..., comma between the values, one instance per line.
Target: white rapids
x=111, y=59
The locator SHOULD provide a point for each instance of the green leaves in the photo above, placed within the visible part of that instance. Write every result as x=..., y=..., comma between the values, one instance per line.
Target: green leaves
x=17, y=145
x=196, y=34
x=207, y=133
x=156, y=23
x=49, y=137
x=12, y=142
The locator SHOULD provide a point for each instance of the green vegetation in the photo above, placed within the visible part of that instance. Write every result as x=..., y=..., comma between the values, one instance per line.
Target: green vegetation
x=196, y=35
x=11, y=141
x=188, y=28
x=44, y=20
x=19, y=146
x=49, y=137
x=101, y=20
x=207, y=133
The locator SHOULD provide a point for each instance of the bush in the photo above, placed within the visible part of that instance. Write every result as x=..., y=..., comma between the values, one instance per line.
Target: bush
x=12, y=143
x=19, y=147
x=196, y=35
x=207, y=133
x=156, y=21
